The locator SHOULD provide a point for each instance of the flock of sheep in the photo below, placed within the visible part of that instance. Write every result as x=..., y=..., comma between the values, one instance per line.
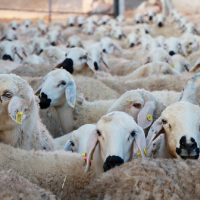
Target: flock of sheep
x=82, y=96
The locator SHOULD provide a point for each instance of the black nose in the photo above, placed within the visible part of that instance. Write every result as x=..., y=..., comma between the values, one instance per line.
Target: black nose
x=7, y=57
x=150, y=18
x=9, y=40
x=44, y=101
x=171, y=53
x=89, y=33
x=188, y=150
x=104, y=50
x=72, y=46
x=71, y=24
x=96, y=66
x=104, y=23
x=160, y=24
x=27, y=26
x=132, y=45
x=80, y=25
x=13, y=28
x=41, y=50
x=53, y=44
x=137, y=22
x=120, y=37
x=111, y=162
x=146, y=31
x=68, y=65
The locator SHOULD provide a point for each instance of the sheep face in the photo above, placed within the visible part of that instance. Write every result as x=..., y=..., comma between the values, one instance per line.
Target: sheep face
x=39, y=45
x=15, y=96
x=52, y=54
x=117, y=32
x=80, y=20
x=27, y=23
x=174, y=46
x=14, y=24
x=54, y=36
x=158, y=54
x=135, y=104
x=89, y=28
x=10, y=35
x=74, y=41
x=180, y=122
x=108, y=46
x=71, y=20
x=190, y=43
x=77, y=60
x=8, y=50
x=138, y=18
x=113, y=140
x=160, y=20
x=97, y=55
x=180, y=64
x=132, y=40
x=57, y=88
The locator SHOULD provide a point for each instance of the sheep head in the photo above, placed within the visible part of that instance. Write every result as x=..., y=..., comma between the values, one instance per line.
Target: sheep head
x=180, y=123
x=113, y=140
x=16, y=98
x=57, y=88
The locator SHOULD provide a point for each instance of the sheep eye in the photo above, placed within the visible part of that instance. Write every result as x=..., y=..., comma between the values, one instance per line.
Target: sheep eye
x=84, y=57
x=98, y=132
x=72, y=144
x=137, y=105
x=164, y=121
x=62, y=83
x=8, y=95
x=133, y=133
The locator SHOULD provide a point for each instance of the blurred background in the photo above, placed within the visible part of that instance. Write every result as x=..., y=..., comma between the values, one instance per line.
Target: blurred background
x=59, y=9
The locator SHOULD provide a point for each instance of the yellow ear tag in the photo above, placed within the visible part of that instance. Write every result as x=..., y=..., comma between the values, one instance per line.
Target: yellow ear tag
x=74, y=104
x=187, y=54
x=19, y=117
x=37, y=95
x=84, y=154
x=149, y=117
x=138, y=153
x=145, y=151
x=173, y=65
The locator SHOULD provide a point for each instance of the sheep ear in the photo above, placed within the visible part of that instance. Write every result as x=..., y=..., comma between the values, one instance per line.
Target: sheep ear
x=81, y=45
x=117, y=47
x=182, y=49
x=70, y=93
x=154, y=131
x=19, y=53
x=146, y=60
x=196, y=66
x=145, y=116
x=16, y=105
x=61, y=39
x=141, y=141
x=3, y=37
x=187, y=66
x=90, y=63
x=68, y=146
x=37, y=92
x=91, y=145
x=104, y=59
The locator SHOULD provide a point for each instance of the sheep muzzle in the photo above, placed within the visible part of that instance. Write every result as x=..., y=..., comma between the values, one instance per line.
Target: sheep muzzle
x=111, y=162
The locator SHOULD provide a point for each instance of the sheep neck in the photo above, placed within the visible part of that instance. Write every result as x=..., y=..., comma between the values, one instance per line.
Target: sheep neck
x=65, y=113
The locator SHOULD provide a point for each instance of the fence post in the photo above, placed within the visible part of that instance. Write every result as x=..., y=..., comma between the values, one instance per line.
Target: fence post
x=50, y=4
x=119, y=7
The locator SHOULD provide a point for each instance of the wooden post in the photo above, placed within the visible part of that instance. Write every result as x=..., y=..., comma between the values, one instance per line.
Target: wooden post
x=119, y=7
x=50, y=6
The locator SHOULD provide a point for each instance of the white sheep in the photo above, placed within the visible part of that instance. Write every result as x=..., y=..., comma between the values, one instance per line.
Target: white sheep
x=108, y=45
x=21, y=125
x=174, y=46
x=71, y=20
x=54, y=37
x=95, y=52
x=180, y=64
x=74, y=41
x=180, y=122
